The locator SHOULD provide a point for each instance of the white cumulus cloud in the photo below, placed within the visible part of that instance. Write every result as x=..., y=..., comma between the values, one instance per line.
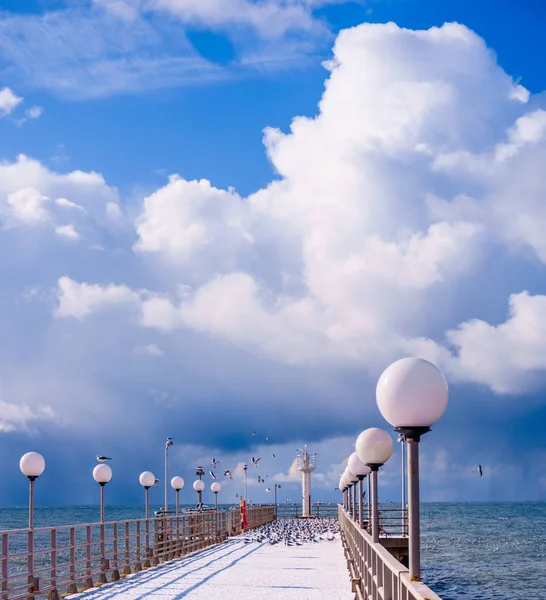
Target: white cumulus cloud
x=8, y=101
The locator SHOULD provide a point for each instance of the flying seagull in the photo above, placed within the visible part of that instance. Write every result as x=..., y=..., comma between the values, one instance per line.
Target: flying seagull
x=156, y=483
x=267, y=489
x=227, y=473
x=102, y=459
x=253, y=433
x=268, y=438
x=214, y=463
x=272, y=456
x=256, y=461
x=480, y=470
x=212, y=475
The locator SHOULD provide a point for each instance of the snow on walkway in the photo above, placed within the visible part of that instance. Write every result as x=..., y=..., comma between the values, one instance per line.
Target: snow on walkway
x=238, y=571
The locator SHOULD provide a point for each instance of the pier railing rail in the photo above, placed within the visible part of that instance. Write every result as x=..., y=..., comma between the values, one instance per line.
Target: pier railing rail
x=256, y=517
x=48, y=562
x=375, y=572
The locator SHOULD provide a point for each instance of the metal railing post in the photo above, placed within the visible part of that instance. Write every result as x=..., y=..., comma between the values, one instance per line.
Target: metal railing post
x=53, y=593
x=88, y=578
x=5, y=565
x=127, y=567
x=115, y=571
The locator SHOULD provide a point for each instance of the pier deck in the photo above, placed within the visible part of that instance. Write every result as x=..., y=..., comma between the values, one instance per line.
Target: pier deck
x=237, y=571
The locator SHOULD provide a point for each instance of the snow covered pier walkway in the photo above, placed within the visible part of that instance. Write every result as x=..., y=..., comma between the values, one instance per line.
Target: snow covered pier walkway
x=235, y=570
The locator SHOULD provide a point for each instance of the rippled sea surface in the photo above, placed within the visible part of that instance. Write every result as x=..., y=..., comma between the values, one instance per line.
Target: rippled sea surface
x=469, y=551
x=485, y=551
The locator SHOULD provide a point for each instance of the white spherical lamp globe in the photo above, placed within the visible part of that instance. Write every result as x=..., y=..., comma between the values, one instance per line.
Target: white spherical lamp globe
x=198, y=485
x=215, y=487
x=32, y=464
x=350, y=477
x=412, y=392
x=356, y=466
x=374, y=446
x=147, y=479
x=177, y=483
x=102, y=473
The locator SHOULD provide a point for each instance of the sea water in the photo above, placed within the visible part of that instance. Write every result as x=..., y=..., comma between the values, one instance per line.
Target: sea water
x=469, y=551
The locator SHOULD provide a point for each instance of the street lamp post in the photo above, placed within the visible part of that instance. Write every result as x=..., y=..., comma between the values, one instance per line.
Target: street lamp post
x=245, y=469
x=168, y=443
x=102, y=474
x=198, y=486
x=32, y=465
x=277, y=487
x=147, y=479
x=402, y=440
x=351, y=480
x=177, y=483
x=215, y=488
x=361, y=470
x=412, y=395
x=374, y=448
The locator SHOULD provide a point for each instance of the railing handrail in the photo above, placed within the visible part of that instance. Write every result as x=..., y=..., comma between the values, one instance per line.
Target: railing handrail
x=35, y=561
x=376, y=569
x=98, y=523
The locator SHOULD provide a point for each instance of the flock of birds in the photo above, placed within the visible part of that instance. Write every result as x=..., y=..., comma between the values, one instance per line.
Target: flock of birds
x=294, y=532
x=214, y=463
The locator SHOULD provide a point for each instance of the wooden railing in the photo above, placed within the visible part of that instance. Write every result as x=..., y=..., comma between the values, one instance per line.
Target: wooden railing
x=50, y=561
x=256, y=517
x=375, y=573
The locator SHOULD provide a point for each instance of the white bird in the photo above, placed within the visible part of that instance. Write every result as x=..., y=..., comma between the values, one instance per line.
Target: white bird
x=228, y=474
x=102, y=459
x=256, y=461
x=212, y=475
x=156, y=482
x=214, y=463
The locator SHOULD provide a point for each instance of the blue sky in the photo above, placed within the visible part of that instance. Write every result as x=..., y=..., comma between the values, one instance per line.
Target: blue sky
x=200, y=241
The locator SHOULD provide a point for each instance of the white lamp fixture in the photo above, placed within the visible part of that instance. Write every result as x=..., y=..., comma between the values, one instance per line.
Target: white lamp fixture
x=356, y=466
x=146, y=479
x=102, y=474
x=216, y=487
x=361, y=470
x=374, y=447
x=412, y=395
x=177, y=483
x=32, y=465
x=198, y=486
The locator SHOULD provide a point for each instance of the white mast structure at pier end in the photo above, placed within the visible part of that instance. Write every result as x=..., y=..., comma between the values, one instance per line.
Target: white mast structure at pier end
x=306, y=463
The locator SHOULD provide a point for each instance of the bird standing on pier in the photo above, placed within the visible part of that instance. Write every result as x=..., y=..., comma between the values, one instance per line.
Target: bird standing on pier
x=102, y=459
